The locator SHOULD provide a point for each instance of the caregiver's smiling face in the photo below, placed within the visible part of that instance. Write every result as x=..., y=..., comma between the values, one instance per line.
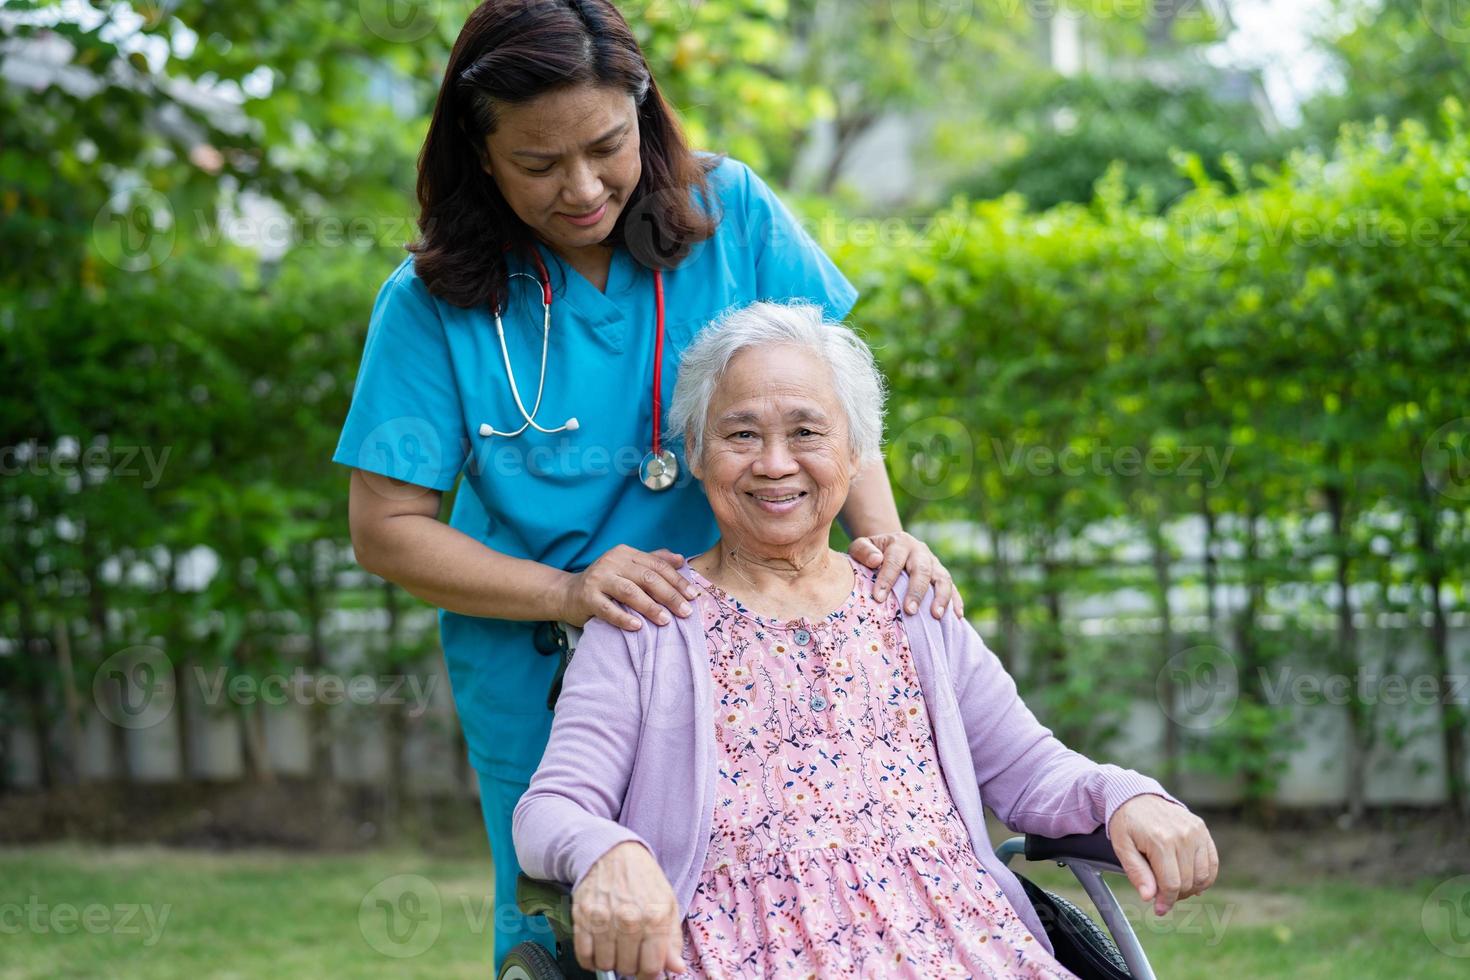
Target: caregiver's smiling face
x=567, y=162
x=777, y=461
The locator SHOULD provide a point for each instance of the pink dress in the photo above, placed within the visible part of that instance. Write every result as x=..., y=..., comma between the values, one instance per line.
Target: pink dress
x=835, y=849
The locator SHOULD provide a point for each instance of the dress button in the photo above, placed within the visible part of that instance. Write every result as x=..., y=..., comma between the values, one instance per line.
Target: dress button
x=819, y=703
x=802, y=638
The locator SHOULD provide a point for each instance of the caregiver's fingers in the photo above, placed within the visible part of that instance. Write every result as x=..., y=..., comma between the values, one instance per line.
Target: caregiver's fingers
x=668, y=563
x=642, y=589
x=944, y=593
x=896, y=553
x=609, y=611
x=921, y=567
x=664, y=585
x=866, y=550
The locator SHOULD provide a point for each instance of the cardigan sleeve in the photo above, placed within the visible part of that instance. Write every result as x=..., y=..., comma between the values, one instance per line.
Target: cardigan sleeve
x=1033, y=782
x=567, y=819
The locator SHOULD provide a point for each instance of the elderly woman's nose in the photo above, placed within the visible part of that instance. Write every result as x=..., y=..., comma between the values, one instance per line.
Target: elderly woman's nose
x=776, y=459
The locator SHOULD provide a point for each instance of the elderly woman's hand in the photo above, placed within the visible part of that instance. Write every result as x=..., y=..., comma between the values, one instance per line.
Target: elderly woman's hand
x=901, y=551
x=1165, y=850
x=625, y=916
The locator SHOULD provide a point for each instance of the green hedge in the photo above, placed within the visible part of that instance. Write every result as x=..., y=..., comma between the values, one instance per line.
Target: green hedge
x=1285, y=360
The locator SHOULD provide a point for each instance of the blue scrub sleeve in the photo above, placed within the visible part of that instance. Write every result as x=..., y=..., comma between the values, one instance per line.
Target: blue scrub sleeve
x=789, y=264
x=406, y=419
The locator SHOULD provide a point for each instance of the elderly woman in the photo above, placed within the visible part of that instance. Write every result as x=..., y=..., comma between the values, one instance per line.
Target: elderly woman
x=790, y=781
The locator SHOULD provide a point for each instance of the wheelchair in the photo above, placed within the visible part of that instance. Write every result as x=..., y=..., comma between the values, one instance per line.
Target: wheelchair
x=1081, y=945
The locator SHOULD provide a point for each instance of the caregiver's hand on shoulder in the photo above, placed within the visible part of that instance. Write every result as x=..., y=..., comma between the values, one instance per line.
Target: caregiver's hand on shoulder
x=901, y=551
x=1165, y=850
x=625, y=916
x=648, y=582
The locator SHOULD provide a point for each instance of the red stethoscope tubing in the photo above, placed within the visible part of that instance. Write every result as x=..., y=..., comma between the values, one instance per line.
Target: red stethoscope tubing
x=658, y=357
x=658, y=339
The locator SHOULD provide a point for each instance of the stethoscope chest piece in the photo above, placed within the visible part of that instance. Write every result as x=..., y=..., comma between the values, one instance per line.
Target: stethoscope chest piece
x=659, y=470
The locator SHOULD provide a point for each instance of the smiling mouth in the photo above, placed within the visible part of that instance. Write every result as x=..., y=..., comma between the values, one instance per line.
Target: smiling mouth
x=777, y=499
x=589, y=217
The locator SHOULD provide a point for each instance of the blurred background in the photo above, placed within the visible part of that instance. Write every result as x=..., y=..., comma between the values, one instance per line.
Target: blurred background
x=1174, y=298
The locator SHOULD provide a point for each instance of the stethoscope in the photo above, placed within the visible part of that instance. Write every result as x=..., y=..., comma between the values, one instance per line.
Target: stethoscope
x=659, y=468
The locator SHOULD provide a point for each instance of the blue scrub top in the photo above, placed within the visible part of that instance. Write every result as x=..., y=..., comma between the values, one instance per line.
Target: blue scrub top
x=432, y=372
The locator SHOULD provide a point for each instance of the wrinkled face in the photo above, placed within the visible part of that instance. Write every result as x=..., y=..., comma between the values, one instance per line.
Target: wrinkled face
x=777, y=462
x=567, y=162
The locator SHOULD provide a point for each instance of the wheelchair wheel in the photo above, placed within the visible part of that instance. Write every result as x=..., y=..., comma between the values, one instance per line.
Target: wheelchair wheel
x=530, y=961
x=1081, y=945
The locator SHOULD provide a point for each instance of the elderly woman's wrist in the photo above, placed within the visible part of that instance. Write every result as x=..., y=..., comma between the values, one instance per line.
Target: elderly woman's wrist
x=1118, y=786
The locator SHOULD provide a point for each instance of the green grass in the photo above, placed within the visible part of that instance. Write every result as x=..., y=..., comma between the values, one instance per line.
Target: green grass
x=271, y=914
x=1333, y=928
x=237, y=915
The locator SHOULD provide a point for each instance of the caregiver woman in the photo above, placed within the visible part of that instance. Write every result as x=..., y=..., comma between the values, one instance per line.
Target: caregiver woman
x=551, y=149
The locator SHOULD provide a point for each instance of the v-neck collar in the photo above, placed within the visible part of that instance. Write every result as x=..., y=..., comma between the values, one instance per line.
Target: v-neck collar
x=604, y=311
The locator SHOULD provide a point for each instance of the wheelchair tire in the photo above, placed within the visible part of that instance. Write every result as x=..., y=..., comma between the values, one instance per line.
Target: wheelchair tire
x=1080, y=944
x=530, y=961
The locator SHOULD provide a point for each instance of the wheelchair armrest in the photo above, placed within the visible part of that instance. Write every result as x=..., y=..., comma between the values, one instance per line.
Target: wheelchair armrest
x=552, y=899
x=1094, y=847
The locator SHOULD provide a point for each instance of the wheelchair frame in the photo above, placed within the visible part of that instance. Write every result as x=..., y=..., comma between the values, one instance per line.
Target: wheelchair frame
x=1087, y=856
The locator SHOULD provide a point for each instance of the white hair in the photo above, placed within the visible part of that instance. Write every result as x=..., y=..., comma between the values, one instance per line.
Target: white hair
x=855, y=377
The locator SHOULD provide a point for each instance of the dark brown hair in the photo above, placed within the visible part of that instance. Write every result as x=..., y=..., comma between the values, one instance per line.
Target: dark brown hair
x=510, y=52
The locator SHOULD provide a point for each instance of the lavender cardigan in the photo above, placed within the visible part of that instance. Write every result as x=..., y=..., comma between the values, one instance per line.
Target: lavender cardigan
x=632, y=754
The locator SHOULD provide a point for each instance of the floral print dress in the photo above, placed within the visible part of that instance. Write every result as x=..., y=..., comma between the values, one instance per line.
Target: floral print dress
x=835, y=848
